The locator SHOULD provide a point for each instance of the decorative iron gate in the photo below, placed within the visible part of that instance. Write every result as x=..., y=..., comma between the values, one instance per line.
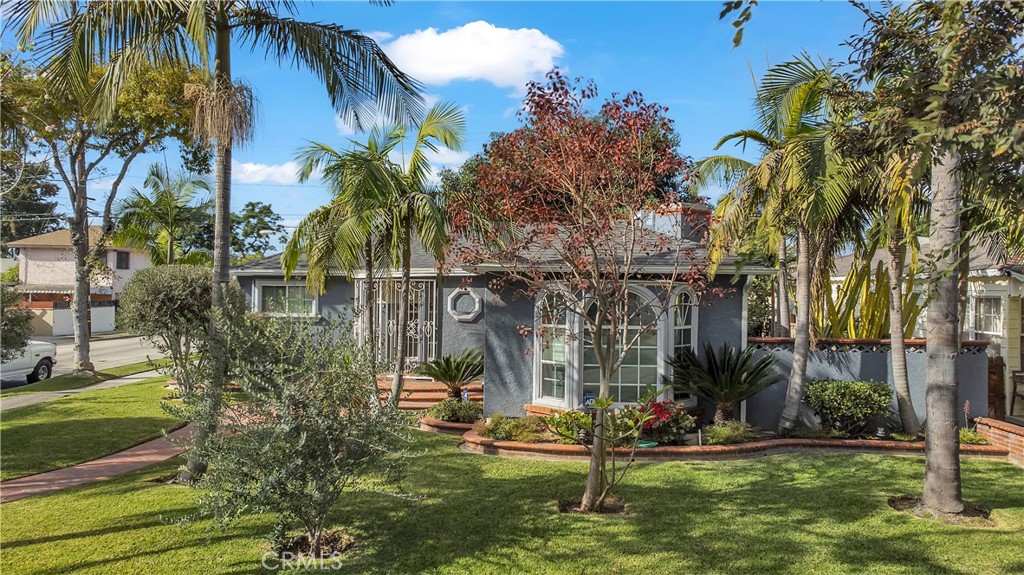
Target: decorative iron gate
x=421, y=338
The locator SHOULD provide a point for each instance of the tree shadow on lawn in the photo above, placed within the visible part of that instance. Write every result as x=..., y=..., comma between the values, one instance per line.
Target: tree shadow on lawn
x=490, y=514
x=31, y=448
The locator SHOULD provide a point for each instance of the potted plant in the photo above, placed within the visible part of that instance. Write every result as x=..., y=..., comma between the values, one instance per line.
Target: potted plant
x=455, y=371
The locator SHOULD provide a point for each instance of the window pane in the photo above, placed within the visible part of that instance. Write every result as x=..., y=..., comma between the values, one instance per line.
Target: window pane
x=272, y=299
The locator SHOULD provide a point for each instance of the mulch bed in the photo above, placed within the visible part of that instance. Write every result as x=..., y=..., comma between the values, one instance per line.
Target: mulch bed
x=971, y=516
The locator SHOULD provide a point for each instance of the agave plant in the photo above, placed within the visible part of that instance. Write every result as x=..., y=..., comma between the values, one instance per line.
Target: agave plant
x=455, y=371
x=724, y=377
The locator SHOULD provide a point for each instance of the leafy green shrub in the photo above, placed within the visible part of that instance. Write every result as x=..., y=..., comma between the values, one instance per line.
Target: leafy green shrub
x=570, y=426
x=456, y=411
x=170, y=305
x=849, y=406
x=501, y=427
x=730, y=432
x=15, y=324
x=10, y=275
x=455, y=371
x=972, y=437
x=668, y=422
x=820, y=433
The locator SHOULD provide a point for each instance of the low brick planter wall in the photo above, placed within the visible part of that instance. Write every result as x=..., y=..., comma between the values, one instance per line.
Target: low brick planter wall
x=439, y=426
x=474, y=442
x=1004, y=435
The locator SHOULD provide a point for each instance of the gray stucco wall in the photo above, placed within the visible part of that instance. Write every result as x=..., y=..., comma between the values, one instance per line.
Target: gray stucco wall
x=454, y=335
x=852, y=363
x=508, y=368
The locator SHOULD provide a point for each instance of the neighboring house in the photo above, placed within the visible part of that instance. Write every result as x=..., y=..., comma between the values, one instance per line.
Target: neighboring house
x=47, y=276
x=460, y=310
x=995, y=288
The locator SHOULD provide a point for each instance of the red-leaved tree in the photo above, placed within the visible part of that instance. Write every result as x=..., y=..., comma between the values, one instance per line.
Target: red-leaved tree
x=582, y=210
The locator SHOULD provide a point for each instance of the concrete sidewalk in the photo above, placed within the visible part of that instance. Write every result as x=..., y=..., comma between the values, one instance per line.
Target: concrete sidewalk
x=131, y=459
x=21, y=400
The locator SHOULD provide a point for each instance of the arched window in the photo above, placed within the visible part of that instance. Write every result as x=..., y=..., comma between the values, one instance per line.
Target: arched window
x=553, y=326
x=684, y=321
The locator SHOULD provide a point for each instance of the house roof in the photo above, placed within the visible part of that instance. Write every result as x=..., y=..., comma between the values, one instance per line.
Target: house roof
x=271, y=265
x=984, y=256
x=57, y=239
x=46, y=288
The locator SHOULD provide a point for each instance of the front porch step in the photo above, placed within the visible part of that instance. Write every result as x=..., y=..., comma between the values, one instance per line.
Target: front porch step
x=431, y=396
x=427, y=386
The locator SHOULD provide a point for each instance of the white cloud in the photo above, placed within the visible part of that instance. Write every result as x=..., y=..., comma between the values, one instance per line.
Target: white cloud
x=344, y=128
x=379, y=36
x=505, y=57
x=253, y=173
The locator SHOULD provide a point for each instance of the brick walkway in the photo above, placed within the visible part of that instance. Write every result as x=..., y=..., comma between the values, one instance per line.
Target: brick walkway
x=119, y=463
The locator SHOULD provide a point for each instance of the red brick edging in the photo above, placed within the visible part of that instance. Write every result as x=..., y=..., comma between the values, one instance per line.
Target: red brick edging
x=474, y=442
x=428, y=423
x=1005, y=435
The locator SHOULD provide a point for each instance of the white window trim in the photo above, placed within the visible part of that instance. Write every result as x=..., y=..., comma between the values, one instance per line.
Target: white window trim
x=257, y=298
x=574, y=349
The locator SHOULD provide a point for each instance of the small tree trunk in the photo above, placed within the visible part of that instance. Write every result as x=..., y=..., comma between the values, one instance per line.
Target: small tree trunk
x=170, y=251
x=210, y=406
x=901, y=381
x=594, y=493
x=802, y=341
x=723, y=412
x=782, y=283
x=398, y=378
x=942, y=488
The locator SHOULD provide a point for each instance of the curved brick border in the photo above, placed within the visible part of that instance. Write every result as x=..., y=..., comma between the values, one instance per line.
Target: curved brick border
x=474, y=442
x=439, y=426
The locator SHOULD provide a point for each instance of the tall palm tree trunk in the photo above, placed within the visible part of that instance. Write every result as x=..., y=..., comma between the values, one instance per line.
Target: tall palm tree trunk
x=370, y=297
x=908, y=417
x=398, y=378
x=213, y=392
x=782, y=281
x=802, y=340
x=942, y=489
x=170, y=250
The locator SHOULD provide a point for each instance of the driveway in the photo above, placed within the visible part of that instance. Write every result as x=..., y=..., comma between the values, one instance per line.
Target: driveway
x=106, y=351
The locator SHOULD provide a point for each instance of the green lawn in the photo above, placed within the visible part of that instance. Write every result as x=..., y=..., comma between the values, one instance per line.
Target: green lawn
x=484, y=515
x=64, y=382
x=81, y=427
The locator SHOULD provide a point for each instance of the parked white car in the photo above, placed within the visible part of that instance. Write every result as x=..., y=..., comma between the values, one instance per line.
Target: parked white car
x=35, y=364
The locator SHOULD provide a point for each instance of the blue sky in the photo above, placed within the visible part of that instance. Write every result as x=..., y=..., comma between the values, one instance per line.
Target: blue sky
x=479, y=54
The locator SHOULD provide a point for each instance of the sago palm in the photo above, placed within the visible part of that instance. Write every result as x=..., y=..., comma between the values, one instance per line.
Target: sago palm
x=724, y=377
x=160, y=215
x=455, y=371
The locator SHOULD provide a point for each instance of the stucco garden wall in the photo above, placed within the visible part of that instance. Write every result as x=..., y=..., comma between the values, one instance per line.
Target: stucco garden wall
x=866, y=360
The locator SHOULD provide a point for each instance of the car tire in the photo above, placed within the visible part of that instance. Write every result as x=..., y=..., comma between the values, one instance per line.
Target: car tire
x=43, y=370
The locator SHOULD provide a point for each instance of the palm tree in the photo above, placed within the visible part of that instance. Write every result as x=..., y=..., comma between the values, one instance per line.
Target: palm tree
x=799, y=179
x=359, y=77
x=380, y=202
x=157, y=221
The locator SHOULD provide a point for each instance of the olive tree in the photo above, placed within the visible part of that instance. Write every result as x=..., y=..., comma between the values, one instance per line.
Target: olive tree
x=311, y=427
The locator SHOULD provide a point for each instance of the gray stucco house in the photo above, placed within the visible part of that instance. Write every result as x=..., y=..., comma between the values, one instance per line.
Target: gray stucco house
x=461, y=309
